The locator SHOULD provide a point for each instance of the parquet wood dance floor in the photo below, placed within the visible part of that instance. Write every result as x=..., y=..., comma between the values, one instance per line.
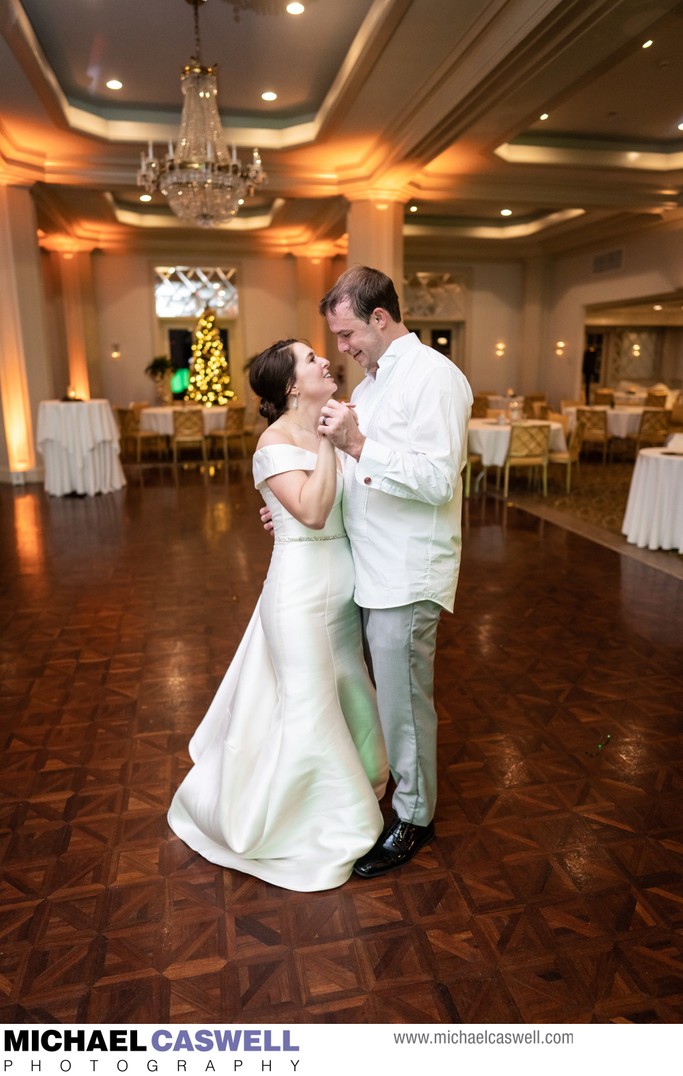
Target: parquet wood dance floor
x=553, y=891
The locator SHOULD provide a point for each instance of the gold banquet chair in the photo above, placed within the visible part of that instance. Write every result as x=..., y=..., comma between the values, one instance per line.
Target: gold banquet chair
x=595, y=430
x=677, y=415
x=603, y=397
x=654, y=428
x=571, y=455
x=480, y=406
x=528, y=448
x=188, y=432
x=472, y=458
x=133, y=437
x=656, y=399
x=533, y=403
x=232, y=430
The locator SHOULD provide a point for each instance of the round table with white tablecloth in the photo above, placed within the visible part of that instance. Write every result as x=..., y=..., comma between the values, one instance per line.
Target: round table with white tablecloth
x=490, y=439
x=621, y=421
x=654, y=511
x=160, y=419
x=79, y=442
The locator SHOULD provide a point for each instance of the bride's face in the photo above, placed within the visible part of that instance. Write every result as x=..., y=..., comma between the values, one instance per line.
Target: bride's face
x=312, y=374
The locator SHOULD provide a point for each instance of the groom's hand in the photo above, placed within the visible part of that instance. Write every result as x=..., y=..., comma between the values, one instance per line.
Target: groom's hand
x=339, y=423
x=266, y=519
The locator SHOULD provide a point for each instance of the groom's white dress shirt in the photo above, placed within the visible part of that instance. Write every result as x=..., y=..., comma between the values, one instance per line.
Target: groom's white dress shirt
x=403, y=498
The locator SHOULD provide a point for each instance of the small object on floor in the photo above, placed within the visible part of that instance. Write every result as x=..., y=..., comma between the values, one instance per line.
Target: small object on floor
x=605, y=740
x=398, y=843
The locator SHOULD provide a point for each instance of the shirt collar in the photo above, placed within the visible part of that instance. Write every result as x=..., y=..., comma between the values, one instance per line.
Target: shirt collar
x=397, y=348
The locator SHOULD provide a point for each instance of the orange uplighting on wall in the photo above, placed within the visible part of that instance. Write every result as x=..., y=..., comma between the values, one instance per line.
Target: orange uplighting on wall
x=66, y=245
x=17, y=420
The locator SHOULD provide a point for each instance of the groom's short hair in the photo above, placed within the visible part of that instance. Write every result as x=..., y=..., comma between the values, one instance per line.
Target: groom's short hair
x=364, y=289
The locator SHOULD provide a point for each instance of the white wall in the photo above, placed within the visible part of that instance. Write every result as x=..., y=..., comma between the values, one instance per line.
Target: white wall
x=268, y=301
x=125, y=303
x=124, y=291
x=268, y=287
x=495, y=315
x=652, y=264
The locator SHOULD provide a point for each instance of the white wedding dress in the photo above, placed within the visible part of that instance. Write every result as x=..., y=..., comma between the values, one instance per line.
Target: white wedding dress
x=289, y=761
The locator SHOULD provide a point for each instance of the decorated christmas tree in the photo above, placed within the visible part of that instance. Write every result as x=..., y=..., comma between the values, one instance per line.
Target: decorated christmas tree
x=210, y=376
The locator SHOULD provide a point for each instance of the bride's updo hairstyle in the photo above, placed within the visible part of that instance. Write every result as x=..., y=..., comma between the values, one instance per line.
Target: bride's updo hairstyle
x=272, y=375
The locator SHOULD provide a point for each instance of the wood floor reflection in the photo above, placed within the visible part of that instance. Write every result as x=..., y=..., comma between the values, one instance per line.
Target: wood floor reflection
x=553, y=891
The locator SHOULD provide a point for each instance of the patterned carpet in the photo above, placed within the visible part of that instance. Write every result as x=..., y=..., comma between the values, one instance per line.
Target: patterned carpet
x=598, y=495
x=594, y=508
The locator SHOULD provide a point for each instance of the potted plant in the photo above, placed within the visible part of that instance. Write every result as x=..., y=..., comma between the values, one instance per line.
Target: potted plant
x=161, y=370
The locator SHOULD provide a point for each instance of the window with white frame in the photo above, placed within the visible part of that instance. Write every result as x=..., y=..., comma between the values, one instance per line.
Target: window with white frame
x=184, y=291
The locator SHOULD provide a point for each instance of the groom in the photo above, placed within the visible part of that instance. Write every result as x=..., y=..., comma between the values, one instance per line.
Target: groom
x=405, y=439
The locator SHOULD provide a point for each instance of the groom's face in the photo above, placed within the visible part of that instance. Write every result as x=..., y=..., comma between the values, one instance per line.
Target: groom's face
x=362, y=340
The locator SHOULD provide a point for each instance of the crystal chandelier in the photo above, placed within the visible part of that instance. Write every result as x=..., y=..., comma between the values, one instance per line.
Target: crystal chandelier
x=204, y=181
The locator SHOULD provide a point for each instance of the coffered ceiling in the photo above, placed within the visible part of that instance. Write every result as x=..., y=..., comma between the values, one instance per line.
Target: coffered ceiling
x=434, y=103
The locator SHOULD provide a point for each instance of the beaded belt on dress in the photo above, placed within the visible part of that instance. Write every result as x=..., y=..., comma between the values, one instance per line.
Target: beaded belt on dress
x=312, y=538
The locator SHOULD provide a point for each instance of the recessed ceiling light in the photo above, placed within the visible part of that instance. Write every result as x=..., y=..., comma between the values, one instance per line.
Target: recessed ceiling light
x=680, y=127
x=413, y=209
x=295, y=9
x=657, y=306
x=269, y=96
x=543, y=116
x=646, y=44
x=114, y=84
x=145, y=197
x=506, y=212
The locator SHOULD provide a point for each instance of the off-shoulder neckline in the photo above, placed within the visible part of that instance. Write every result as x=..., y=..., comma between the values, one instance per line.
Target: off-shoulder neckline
x=297, y=448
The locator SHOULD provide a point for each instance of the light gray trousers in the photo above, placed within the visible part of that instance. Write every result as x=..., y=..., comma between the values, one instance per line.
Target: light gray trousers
x=400, y=647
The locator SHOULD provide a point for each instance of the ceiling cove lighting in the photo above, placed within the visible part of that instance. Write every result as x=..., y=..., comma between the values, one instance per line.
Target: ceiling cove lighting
x=202, y=180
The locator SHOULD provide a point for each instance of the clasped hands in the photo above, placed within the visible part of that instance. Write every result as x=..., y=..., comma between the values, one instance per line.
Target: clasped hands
x=339, y=424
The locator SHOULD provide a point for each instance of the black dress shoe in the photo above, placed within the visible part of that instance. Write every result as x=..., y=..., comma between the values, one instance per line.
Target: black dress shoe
x=399, y=842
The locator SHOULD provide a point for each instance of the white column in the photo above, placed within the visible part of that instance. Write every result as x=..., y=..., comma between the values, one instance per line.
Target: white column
x=75, y=274
x=376, y=237
x=25, y=371
x=375, y=229
x=311, y=285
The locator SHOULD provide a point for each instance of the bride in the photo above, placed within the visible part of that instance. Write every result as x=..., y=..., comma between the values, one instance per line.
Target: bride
x=289, y=761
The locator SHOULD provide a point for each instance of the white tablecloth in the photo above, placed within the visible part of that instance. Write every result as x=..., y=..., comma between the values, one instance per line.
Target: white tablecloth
x=79, y=442
x=490, y=440
x=621, y=421
x=654, y=511
x=160, y=419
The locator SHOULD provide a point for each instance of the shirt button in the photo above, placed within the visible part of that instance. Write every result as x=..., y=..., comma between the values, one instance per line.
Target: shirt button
x=368, y=481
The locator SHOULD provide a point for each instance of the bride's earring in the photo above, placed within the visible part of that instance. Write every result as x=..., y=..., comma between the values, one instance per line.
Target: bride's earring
x=295, y=402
